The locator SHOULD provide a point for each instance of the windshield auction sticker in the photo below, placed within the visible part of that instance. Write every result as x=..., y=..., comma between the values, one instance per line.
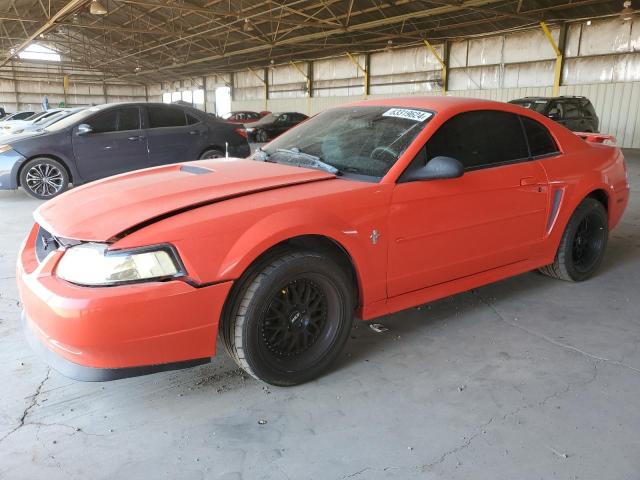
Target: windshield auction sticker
x=415, y=115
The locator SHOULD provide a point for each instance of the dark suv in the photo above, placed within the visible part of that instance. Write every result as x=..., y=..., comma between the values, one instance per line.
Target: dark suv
x=575, y=113
x=108, y=139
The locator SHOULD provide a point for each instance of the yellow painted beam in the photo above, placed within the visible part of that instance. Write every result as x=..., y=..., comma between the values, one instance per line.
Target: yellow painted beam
x=295, y=65
x=547, y=34
x=442, y=64
x=305, y=76
x=558, y=67
x=266, y=86
x=308, y=79
x=262, y=80
x=364, y=71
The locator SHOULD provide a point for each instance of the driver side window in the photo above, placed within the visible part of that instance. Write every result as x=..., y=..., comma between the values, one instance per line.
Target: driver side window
x=479, y=139
x=117, y=120
x=105, y=122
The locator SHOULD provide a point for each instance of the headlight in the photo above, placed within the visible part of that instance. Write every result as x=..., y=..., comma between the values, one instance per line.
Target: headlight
x=91, y=264
x=5, y=148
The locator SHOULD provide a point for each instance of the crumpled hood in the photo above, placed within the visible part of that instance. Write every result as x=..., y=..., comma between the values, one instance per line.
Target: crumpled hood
x=102, y=210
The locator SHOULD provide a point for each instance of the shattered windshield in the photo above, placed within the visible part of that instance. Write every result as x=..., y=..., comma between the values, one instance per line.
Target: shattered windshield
x=364, y=140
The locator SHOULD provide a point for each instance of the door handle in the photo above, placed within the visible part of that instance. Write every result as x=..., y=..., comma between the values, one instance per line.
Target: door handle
x=135, y=138
x=194, y=132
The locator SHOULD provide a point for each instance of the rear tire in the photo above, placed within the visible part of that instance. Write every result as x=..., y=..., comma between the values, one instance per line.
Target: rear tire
x=44, y=178
x=211, y=153
x=261, y=136
x=290, y=319
x=583, y=243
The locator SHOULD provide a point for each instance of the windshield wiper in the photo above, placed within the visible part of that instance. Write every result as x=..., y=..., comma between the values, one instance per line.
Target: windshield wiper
x=293, y=156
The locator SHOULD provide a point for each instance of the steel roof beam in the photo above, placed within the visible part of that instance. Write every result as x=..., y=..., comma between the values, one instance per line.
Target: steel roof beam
x=69, y=8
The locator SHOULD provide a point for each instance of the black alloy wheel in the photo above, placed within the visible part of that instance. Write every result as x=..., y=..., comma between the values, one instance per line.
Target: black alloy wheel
x=295, y=318
x=583, y=243
x=289, y=318
x=588, y=243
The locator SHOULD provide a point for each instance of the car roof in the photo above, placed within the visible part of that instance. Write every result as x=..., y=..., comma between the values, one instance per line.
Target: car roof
x=435, y=103
x=138, y=104
x=105, y=106
x=561, y=97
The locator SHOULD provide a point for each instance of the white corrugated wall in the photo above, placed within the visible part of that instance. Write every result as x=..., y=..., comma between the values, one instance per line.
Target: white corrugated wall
x=24, y=93
x=602, y=62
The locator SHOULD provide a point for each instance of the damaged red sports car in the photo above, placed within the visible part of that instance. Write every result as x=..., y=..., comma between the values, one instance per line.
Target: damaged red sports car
x=361, y=211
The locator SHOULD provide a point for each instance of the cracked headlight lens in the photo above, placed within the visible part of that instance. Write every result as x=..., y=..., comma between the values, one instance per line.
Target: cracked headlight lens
x=91, y=264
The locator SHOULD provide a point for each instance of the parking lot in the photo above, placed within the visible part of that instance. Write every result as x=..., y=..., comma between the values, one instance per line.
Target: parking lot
x=527, y=378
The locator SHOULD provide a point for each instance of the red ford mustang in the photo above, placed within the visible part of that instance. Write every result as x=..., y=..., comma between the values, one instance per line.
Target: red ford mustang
x=363, y=210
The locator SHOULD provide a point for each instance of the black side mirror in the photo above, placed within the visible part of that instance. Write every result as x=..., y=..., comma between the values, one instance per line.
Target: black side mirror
x=438, y=168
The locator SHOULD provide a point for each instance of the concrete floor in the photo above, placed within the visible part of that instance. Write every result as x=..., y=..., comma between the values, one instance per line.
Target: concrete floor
x=529, y=378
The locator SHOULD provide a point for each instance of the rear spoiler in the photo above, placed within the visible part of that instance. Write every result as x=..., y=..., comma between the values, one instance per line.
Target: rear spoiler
x=597, y=137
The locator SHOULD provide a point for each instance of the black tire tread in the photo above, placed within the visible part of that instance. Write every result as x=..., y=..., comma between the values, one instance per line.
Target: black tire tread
x=27, y=165
x=558, y=269
x=203, y=154
x=233, y=341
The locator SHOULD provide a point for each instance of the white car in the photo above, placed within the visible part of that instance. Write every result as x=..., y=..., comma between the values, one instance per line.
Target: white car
x=11, y=125
x=35, y=122
x=17, y=116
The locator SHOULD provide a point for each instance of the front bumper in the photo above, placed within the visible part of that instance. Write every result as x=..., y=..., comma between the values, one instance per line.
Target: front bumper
x=106, y=333
x=10, y=163
x=92, y=374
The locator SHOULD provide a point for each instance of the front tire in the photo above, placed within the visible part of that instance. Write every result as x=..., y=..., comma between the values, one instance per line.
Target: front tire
x=44, y=178
x=290, y=319
x=582, y=245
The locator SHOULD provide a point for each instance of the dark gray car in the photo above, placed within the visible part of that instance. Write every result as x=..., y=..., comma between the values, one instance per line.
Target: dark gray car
x=114, y=138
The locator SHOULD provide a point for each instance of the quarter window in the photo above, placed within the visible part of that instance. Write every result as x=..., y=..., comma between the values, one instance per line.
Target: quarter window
x=480, y=139
x=540, y=140
x=166, y=117
x=191, y=119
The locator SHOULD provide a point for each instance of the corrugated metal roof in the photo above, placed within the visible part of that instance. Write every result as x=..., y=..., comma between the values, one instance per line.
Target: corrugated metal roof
x=158, y=40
